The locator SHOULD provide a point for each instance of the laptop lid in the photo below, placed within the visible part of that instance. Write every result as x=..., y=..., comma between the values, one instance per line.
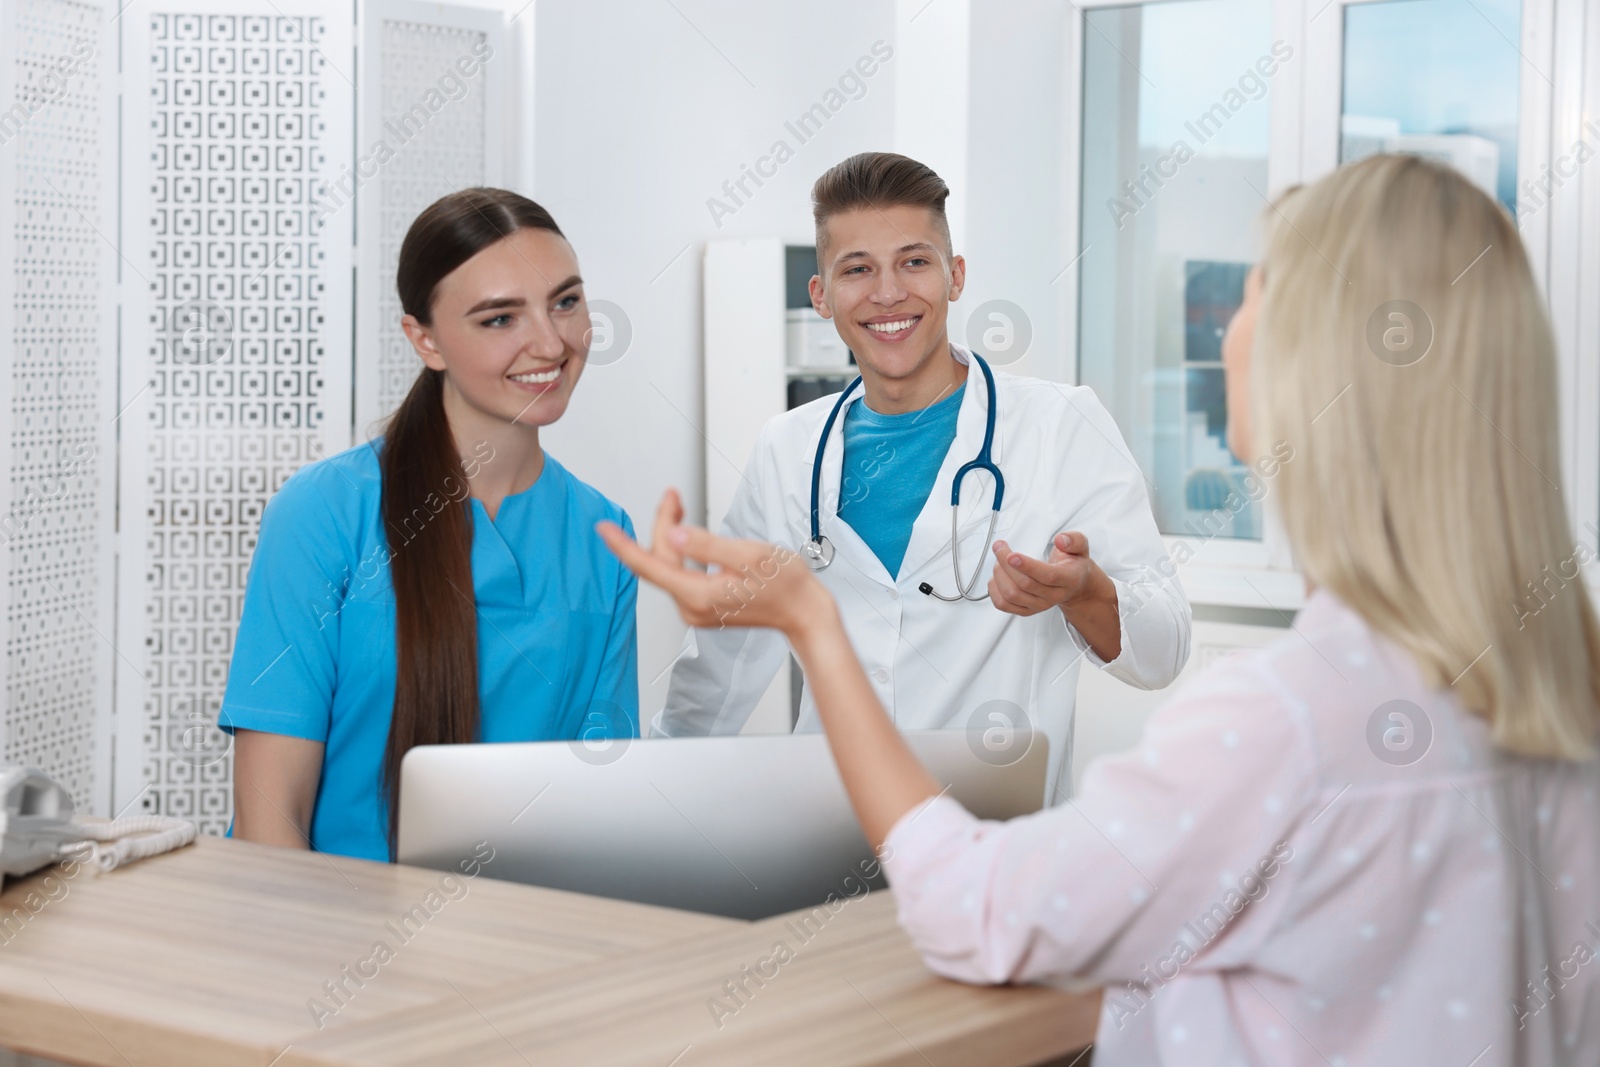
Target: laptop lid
x=742, y=826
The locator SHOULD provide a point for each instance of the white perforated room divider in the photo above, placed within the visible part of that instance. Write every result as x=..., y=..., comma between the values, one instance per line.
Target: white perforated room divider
x=431, y=92
x=184, y=326
x=201, y=301
x=57, y=315
x=236, y=362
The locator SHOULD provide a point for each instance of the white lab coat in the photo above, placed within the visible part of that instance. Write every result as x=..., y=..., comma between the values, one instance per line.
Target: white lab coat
x=933, y=664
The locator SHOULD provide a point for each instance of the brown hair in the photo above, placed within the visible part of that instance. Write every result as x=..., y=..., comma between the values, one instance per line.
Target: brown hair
x=430, y=549
x=877, y=179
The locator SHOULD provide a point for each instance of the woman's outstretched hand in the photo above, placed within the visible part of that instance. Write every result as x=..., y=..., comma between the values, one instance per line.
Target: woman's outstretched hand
x=754, y=584
x=765, y=585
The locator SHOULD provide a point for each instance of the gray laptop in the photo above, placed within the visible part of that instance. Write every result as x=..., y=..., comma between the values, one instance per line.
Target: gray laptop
x=743, y=826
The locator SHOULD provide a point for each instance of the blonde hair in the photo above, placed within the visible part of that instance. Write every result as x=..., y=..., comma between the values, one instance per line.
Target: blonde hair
x=1403, y=351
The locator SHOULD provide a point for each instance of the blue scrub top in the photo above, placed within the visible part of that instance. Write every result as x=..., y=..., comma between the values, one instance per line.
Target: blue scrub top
x=315, y=652
x=890, y=463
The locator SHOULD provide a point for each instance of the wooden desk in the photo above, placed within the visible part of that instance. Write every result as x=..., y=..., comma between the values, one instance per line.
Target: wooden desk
x=214, y=956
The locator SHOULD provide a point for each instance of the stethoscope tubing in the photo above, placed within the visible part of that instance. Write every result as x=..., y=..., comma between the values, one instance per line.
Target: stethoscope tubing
x=818, y=550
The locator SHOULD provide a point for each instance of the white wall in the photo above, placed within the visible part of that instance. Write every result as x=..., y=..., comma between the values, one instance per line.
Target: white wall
x=1015, y=196
x=642, y=112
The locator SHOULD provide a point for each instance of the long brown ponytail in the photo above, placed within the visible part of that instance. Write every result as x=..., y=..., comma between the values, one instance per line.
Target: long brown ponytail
x=430, y=549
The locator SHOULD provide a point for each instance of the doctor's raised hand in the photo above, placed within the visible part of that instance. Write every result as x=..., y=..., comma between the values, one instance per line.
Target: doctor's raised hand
x=1069, y=580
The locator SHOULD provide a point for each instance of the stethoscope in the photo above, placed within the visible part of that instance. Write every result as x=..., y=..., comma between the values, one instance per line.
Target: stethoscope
x=818, y=550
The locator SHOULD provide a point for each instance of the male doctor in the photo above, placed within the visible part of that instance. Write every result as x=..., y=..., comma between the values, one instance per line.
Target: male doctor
x=1076, y=570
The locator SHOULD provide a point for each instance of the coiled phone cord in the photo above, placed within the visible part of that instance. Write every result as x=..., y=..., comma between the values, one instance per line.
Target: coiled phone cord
x=109, y=845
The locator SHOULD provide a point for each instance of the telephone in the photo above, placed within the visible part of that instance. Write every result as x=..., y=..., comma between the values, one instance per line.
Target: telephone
x=36, y=822
x=37, y=828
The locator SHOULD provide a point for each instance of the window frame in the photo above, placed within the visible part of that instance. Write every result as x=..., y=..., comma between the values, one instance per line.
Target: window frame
x=1306, y=102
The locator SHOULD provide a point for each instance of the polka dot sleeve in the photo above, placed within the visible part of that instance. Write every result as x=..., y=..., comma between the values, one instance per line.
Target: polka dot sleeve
x=1175, y=854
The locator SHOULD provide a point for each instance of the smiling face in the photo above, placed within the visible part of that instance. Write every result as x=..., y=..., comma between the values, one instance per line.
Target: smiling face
x=510, y=330
x=887, y=281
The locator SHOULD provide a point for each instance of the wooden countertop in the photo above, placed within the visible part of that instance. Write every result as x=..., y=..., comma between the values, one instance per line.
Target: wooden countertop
x=228, y=953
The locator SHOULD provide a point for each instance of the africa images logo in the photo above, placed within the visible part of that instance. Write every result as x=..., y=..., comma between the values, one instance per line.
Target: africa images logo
x=1399, y=732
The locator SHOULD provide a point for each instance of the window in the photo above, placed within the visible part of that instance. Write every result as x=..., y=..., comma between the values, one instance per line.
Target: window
x=1176, y=125
x=1438, y=78
x=1191, y=114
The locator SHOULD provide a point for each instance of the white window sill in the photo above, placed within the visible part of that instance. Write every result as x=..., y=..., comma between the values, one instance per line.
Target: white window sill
x=1243, y=587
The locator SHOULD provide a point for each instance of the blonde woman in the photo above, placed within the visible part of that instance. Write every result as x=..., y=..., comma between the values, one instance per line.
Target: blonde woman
x=1375, y=841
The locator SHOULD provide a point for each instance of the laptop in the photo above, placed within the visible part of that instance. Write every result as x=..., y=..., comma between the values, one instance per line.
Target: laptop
x=745, y=826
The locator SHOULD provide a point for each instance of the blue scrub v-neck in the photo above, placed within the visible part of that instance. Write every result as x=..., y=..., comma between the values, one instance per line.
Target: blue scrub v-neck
x=489, y=534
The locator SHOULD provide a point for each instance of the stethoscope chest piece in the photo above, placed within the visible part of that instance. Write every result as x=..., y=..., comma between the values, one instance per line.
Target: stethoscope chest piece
x=818, y=552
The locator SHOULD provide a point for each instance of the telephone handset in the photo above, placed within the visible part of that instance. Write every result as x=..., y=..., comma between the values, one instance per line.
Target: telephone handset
x=36, y=823
x=37, y=828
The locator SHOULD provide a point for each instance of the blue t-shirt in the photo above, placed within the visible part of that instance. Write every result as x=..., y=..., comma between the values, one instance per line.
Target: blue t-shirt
x=890, y=462
x=315, y=652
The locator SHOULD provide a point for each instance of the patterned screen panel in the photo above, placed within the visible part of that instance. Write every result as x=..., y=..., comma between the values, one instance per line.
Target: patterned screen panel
x=433, y=117
x=62, y=368
x=238, y=346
